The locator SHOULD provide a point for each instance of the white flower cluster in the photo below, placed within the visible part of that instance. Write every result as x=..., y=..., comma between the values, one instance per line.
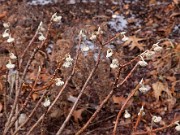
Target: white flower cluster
x=6, y=33
x=156, y=119
x=46, y=102
x=144, y=88
x=68, y=61
x=56, y=18
x=127, y=114
x=157, y=48
x=141, y=111
x=95, y=34
x=59, y=82
x=177, y=126
x=124, y=39
x=109, y=53
x=142, y=62
x=114, y=64
x=40, y=30
x=10, y=65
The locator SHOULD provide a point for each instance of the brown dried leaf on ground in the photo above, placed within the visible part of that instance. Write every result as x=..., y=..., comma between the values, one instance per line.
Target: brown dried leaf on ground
x=134, y=42
x=77, y=114
x=158, y=88
x=121, y=100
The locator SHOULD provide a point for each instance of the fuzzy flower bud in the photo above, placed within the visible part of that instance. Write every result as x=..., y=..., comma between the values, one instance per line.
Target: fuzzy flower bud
x=156, y=119
x=109, y=53
x=10, y=65
x=56, y=18
x=127, y=114
x=59, y=82
x=114, y=64
x=46, y=102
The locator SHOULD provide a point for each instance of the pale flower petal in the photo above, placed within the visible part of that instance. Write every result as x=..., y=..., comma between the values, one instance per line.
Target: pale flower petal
x=156, y=119
x=46, y=102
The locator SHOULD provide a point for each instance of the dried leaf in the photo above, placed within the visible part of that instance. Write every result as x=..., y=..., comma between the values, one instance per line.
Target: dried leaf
x=35, y=96
x=3, y=14
x=77, y=114
x=121, y=100
x=170, y=103
x=158, y=88
x=133, y=42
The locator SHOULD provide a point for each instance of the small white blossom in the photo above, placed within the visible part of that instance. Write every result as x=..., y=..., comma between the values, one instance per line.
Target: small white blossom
x=56, y=18
x=59, y=82
x=69, y=58
x=68, y=61
x=81, y=34
x=41, y=37
x=114, y=16
x=40, y=27
x=177, y=128
x=67, y=64
x=10, y=65
x=93, y=37
x=122, y=33
x=99, y=31
x=6, y=25
x=149, y=54
x=84, y=48
x=157, y=48
x=124, y=39
x=12, y=56
x=22, y=118
x=10, y=39
x=114, y=64
x=141, y=111
x=144, y=88
x=127, y=114
x=46, y=102
x=142, y=63
x=6, y=33
x=109, y=53
x=156, y=119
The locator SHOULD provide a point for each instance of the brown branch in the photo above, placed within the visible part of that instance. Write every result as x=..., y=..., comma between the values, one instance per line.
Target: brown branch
x=61, y=90
x=122, y=108
x=80, y=94
x=154, y=130
x=107, y=97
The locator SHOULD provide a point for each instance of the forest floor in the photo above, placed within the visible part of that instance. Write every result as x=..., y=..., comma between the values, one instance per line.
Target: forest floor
x=149, y=26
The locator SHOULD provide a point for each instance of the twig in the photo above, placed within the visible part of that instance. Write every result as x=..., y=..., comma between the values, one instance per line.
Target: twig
x=154, y=130
x=122, y=108
x=139, y=118
x=8, y=125
x=107, y=97
x=61, y=90
x=31, y=114
x=80, y=94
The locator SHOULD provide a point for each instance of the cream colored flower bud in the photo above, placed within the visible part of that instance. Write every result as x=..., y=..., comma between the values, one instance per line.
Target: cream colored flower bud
x=109, y=53
x=59, y=82
x=12, y=56
x=156, y=119
x=124, y=39
x=41, y=37
x=10, y=65
x=56, y=18
x=6, y=33
x=127, y=114
x=10, y=39
x=114, y=64
x=46, y=102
